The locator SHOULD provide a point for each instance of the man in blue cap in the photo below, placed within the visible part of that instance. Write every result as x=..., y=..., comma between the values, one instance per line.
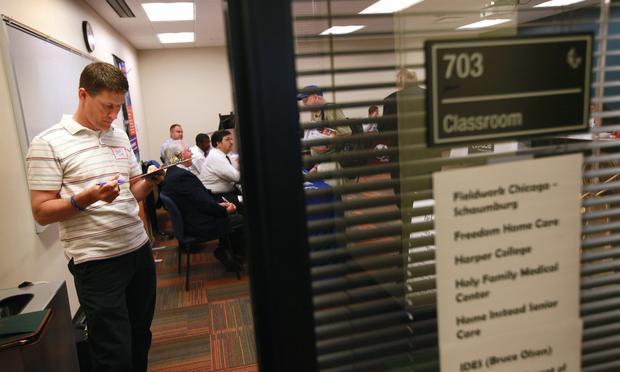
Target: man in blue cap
x=312, y=96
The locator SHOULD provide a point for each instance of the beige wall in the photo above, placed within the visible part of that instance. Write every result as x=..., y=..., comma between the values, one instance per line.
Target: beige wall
x=186, y=86
x=358, y=78
x=24, y=254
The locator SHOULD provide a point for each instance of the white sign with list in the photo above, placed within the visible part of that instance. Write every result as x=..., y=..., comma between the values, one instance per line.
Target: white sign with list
x=507, y=257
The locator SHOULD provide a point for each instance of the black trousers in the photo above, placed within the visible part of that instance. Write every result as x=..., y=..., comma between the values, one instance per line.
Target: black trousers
x=118, y=298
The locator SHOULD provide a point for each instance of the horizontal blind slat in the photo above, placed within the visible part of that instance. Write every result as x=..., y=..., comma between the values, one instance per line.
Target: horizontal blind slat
x=595, y=294
x=373, y=364
x=607, y=171
x=599, y=357
x=358, y=355
x=353, y=121
x=590, y=202
x=599, y=214
x=600, y=280
x=356, y=266
x=595, y=228
x=342, y=222
x=324, y=241
x=350, y=70
x=363, y=339
x=357, y=250
x=600, y=267
x=599, y=344
x=330, y=330
x=421, y=270
x=596, y=319
x=600, y=254
x=600, y=306
x=359, y=281
x=378, y=217
x=358, y=295
x=603, y=240
x=360, y=310
x=603, y=367
x=364, y=52
x=601, y=331
x=350, y=205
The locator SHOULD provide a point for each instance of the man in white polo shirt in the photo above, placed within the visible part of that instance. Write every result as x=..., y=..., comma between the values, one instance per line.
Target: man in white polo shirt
x=176, y=134
x=79, y=173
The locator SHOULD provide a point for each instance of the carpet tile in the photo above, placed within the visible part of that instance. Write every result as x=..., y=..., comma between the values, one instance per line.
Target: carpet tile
x=209, y=327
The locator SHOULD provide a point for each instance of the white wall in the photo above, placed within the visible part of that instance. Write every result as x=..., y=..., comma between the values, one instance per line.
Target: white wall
x=191, y=86
x=186, y=86
x=25, y=255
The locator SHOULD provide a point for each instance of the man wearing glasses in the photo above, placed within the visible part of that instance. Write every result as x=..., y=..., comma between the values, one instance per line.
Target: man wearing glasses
x=218, y=173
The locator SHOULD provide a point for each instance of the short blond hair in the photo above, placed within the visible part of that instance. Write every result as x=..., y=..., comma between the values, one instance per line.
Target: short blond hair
x=405, y=76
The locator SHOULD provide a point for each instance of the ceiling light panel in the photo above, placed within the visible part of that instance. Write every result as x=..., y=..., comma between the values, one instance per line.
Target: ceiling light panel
x=389, y=6
x=340, y=30
x=176, y=37
x=167, y=12
x=483, y=24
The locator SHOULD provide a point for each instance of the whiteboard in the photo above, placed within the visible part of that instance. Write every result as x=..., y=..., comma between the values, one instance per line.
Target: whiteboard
x=45, y=78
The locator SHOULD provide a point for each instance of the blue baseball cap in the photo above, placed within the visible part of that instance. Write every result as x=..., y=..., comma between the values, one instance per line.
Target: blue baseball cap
x=309, y=91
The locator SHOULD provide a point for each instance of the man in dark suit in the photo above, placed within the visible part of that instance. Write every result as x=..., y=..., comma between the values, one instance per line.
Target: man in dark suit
x=411, y=97
x=203, y=215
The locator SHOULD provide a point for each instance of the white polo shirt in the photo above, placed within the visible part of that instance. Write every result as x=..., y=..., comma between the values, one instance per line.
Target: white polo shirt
x=70, y=157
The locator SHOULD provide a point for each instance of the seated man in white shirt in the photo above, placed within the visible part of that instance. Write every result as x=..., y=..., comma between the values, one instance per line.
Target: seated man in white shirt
x=176, y=134
x=199, y=153
x=218, y=173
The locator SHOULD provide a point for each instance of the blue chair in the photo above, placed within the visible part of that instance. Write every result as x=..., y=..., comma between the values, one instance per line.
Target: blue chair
x=150, y=204
x=186, y=243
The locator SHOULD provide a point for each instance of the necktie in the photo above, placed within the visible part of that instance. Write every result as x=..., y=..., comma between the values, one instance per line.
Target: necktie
x=227, y=158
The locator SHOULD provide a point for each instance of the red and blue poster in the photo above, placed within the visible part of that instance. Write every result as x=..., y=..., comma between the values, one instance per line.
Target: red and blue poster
x=128, y=119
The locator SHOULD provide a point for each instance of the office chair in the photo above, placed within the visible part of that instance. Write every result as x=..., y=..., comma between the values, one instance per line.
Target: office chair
x=186, y=243
x=151, y=205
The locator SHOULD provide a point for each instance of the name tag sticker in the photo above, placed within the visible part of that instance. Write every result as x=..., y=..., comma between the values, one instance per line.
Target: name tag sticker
x=119, y=153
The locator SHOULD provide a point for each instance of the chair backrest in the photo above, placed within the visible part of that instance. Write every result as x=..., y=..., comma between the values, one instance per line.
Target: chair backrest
x=175, y=216
x=149, y=201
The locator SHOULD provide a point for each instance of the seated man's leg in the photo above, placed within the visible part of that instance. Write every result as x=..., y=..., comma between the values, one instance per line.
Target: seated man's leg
x=236, y=235
x=226, y=256
x=100, y=286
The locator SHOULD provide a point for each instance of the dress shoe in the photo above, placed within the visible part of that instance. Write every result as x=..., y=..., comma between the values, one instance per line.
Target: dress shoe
x=228, y=260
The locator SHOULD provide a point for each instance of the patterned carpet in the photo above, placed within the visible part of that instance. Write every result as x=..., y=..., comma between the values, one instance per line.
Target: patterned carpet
x=209, y=327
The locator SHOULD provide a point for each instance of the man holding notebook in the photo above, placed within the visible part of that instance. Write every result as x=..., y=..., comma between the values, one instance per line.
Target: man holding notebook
x=312, y=96
x=80, y=174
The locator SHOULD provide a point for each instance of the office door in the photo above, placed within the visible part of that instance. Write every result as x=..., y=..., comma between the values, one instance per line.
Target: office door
x=342, y=255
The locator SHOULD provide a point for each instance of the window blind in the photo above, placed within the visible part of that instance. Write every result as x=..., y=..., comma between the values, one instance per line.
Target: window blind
x=370, y=226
